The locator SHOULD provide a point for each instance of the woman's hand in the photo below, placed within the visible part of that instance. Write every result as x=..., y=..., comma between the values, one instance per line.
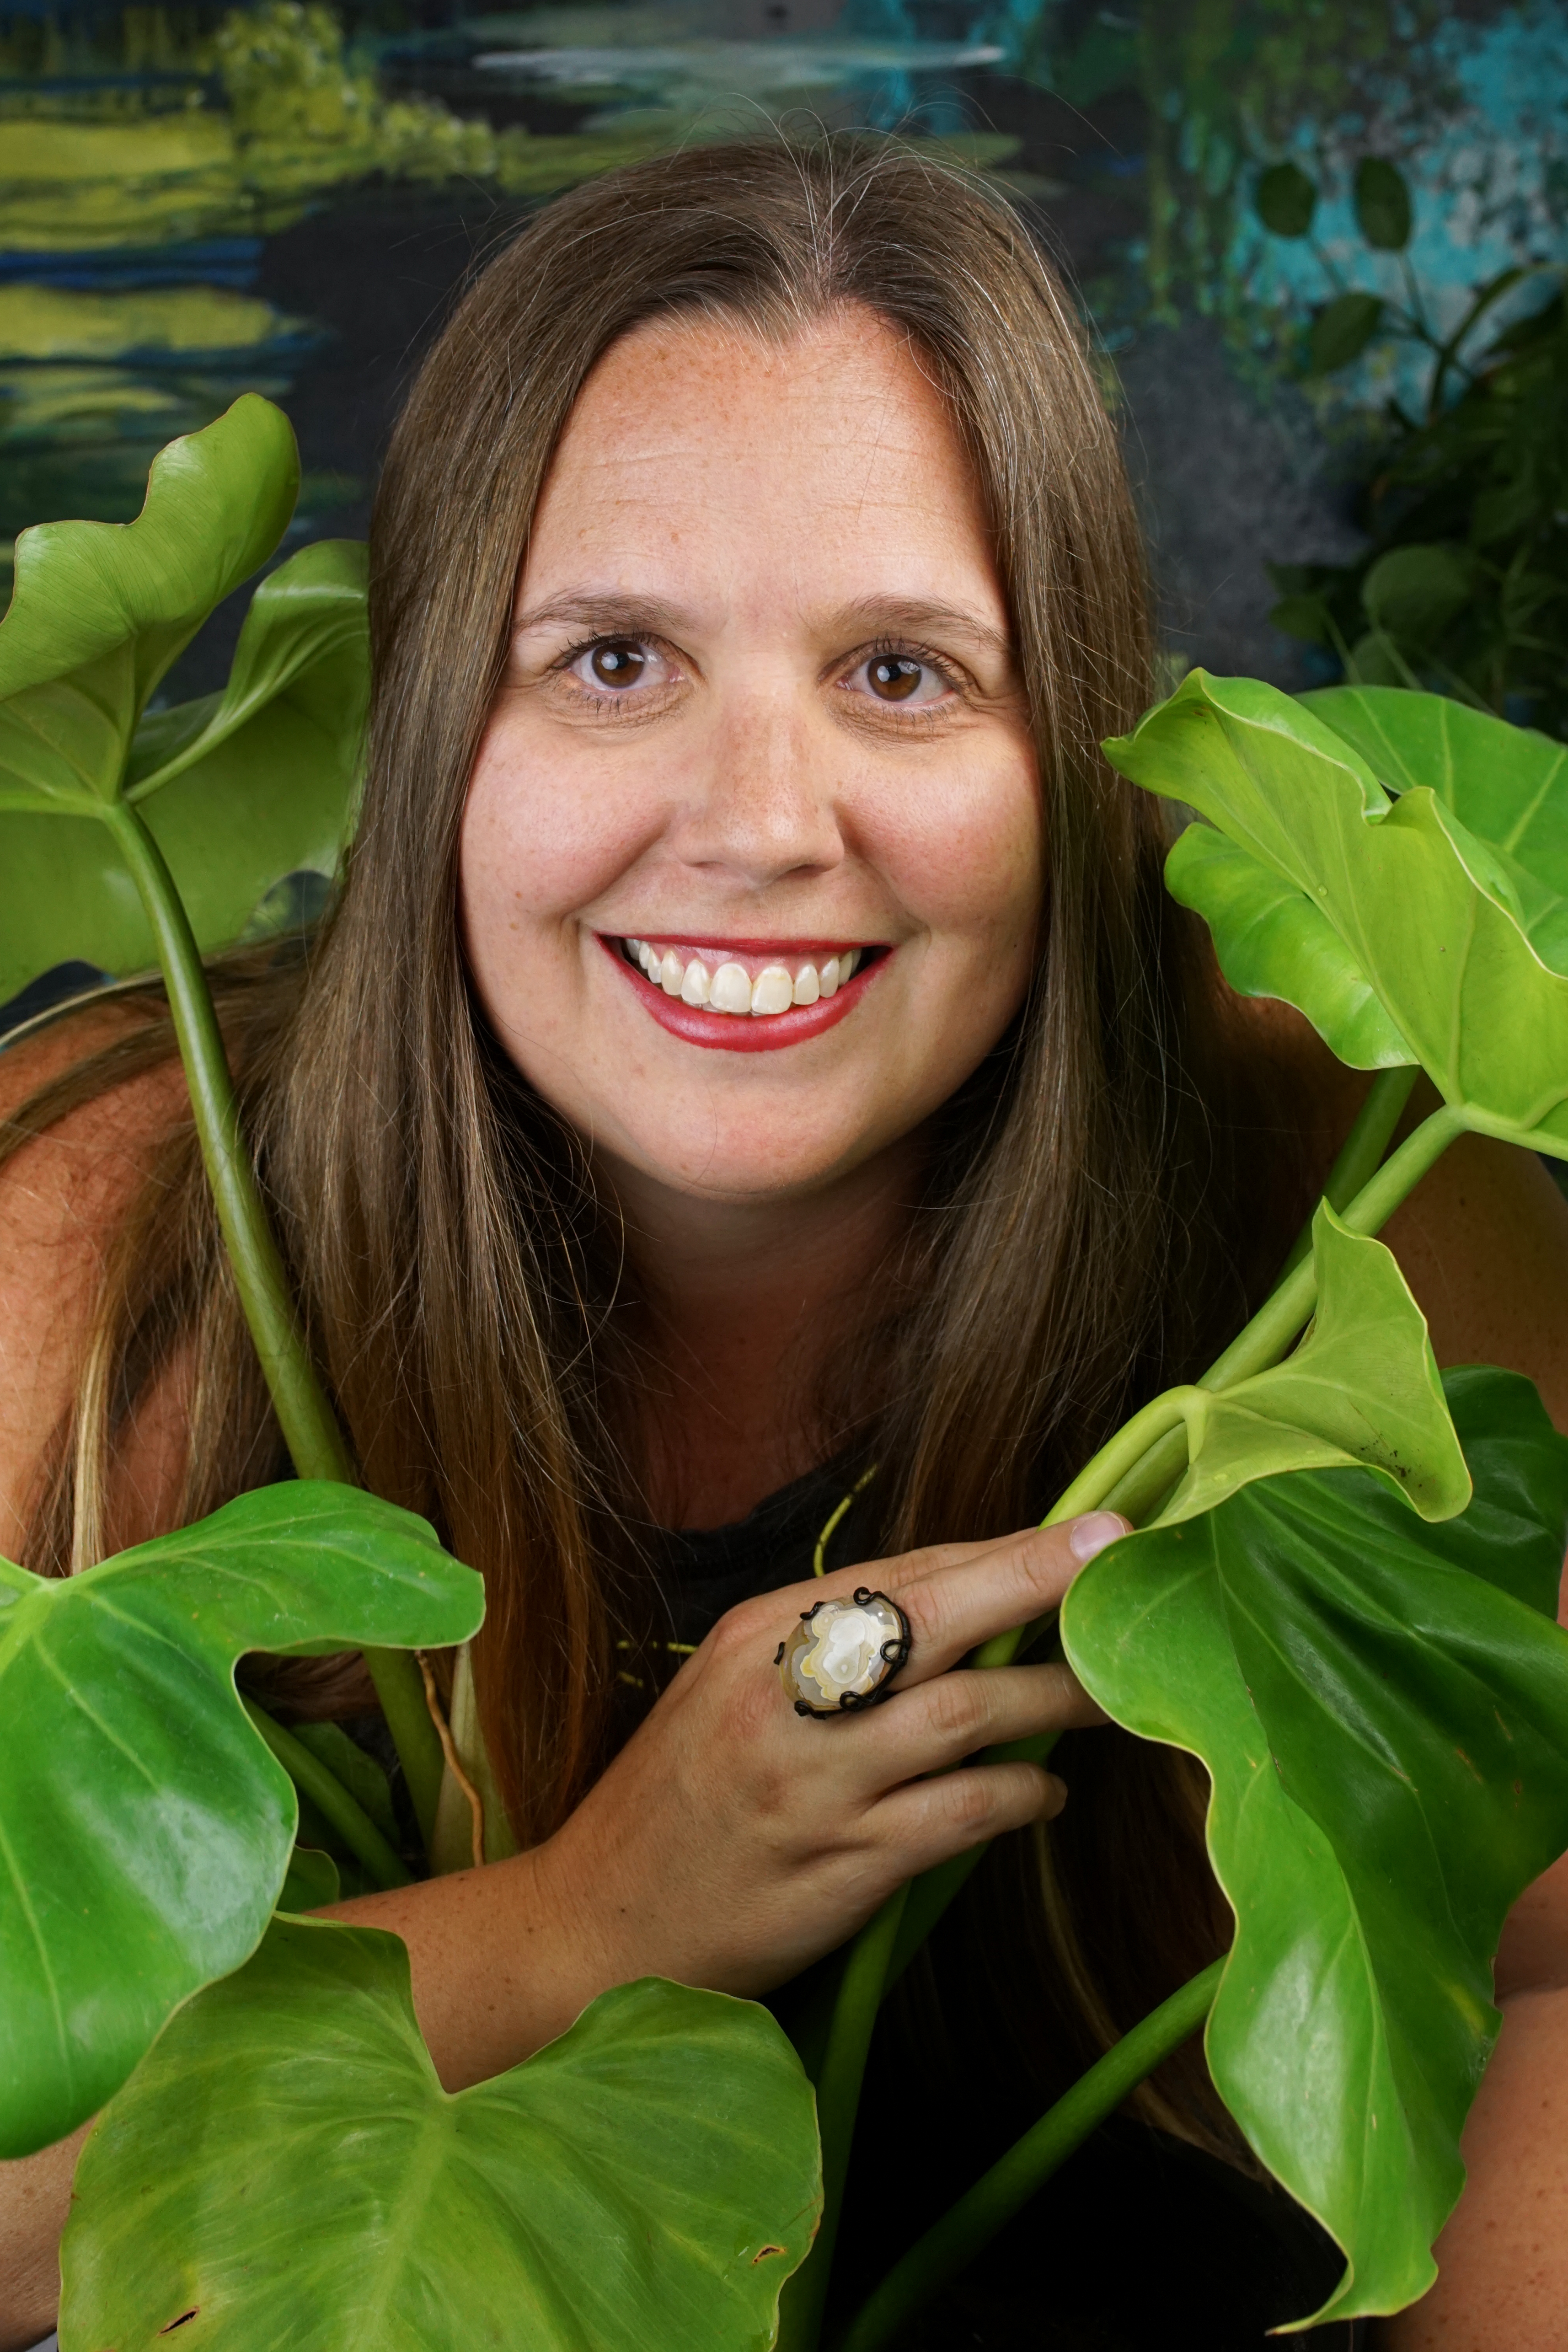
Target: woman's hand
x=732, y=1841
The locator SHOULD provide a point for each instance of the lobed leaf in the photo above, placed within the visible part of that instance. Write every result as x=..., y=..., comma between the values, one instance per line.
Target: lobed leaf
x=1337, y=893
x=1382, y=1708
x=99, y=611
x=285, y=2168
x=239, y=789
x=1362, y=1388
x=144, y=1829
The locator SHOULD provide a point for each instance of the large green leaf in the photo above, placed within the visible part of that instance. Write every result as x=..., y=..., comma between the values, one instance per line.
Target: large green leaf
x=100, y=610
x=1507, y=785
x=285, y=2169
x=1330, y=894
x=1382, y=1707
x=144, y=1829
x=1362, y=1388
x=239, y=789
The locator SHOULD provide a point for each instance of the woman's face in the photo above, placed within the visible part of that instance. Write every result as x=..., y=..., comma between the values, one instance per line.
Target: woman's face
x=751, y=861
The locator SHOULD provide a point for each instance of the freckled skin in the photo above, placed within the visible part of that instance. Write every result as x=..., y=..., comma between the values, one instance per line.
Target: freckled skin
x=759, y=792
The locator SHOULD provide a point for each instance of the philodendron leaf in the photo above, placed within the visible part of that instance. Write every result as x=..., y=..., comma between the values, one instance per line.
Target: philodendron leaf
x=1362, y=1388
x=1507, y=785
x=286, y=2168
x=1330, y=894
x=1382, y=1707
x=144, y=1828
x=100, y=610
x=239, y=789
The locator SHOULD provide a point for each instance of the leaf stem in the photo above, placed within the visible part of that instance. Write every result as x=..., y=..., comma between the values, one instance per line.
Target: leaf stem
x=969, y=2226
x=306, y=1417
x=332, y=1801
x=1278, y=1320
x=1361, y=1153
x=838, y=2100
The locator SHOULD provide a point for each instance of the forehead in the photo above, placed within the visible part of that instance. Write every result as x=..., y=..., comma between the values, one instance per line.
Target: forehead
x=703, y=443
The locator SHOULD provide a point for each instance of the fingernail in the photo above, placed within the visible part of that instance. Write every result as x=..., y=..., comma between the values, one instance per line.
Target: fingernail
x=1055, y=1796
x=1087, y=1535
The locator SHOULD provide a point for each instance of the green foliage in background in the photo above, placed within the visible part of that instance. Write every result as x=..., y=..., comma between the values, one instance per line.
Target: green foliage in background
x=1463, y=584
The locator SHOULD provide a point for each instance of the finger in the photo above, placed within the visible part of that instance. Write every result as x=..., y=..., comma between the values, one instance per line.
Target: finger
x=952, y=1610
x=929, y=1822
x=938, y=1722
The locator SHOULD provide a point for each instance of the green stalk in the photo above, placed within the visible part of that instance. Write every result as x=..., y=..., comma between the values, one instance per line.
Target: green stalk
x=332, y=1801
x=1361, y=1153
x=309, y=1426
x=838, y=2100
x=947, y=2248
x=1141, y=1459
x=1278, y=1320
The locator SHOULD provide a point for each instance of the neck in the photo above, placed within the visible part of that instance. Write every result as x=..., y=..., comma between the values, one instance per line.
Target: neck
x=745, y=1303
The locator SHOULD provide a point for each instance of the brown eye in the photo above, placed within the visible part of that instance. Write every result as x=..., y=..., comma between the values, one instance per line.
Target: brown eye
x=617, y=663
x=893, y=677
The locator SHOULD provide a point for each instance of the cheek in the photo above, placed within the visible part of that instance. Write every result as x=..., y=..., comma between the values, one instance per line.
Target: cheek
x=968, y=851
x=538, y=845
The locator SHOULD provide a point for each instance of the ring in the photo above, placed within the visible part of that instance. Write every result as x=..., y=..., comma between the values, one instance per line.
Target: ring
x=843, y=1653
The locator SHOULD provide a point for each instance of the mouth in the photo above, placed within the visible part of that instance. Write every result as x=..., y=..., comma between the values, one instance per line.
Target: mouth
x=748, y=996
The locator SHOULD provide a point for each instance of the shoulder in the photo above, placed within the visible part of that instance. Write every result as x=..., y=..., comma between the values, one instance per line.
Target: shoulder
x=63, y=1193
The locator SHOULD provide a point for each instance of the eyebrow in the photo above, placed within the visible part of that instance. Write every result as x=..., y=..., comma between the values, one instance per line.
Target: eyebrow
x=622, y=609
x=603, y=608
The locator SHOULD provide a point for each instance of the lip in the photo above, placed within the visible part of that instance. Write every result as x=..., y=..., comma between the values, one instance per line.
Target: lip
x=743, y=1033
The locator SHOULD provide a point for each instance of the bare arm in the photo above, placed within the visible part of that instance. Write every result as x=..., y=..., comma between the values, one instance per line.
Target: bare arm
x=34, y=2198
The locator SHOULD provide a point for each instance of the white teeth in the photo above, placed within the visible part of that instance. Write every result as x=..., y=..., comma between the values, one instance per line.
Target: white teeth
x=731, y=991
x=731, y=988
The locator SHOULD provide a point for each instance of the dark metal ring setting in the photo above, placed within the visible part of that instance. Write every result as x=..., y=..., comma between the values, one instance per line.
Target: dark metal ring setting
x=843, y=1655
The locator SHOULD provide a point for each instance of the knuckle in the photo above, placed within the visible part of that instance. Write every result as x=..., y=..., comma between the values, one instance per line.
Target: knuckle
x=956, y=1705
x=968, y=1801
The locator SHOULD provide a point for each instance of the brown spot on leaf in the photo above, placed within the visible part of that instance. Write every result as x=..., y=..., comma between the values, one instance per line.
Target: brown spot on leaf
x=762, y=2253
x=180, y=2321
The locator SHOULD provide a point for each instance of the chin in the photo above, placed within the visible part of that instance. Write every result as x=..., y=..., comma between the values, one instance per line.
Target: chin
x=749, y=1166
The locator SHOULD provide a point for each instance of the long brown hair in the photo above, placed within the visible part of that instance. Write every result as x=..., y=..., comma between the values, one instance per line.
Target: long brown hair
x=458, y=1274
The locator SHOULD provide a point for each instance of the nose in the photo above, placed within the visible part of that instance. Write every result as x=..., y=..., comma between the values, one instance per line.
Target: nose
x=760, y=802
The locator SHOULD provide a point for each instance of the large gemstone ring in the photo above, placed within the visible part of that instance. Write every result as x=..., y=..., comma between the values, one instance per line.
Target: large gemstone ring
x=843, y=1653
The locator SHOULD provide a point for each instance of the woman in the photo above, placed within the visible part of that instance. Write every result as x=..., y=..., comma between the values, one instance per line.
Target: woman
x=753, y=1065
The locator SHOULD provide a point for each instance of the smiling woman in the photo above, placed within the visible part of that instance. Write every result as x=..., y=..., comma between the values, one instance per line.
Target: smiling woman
x=752, y=1113
x=780, y=743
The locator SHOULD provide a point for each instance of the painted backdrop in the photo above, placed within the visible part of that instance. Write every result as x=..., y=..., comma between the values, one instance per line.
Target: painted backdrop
x=1318, y=238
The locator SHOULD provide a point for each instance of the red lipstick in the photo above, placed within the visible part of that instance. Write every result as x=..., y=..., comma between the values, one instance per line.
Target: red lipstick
x=748, y=1033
